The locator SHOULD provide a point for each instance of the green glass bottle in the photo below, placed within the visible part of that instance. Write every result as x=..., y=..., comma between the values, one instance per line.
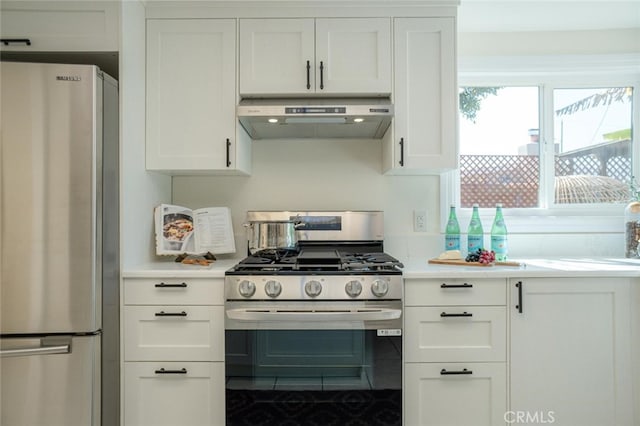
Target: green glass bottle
x=452, y=231
x=475, y=233
x=499, y=235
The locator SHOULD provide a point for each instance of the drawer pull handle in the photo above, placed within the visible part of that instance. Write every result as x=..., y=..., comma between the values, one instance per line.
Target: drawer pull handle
x=455, y=372
x=8, y=41
x=464, y=314
x=164, y=285
x=465, y=285
x=171, y=314
x=163, y=371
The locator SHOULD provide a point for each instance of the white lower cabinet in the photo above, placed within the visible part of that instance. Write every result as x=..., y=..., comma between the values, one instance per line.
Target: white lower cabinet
x=571, y=360
x=460, y=394
x=174, y=393
x=455, y=339
x=173, y=338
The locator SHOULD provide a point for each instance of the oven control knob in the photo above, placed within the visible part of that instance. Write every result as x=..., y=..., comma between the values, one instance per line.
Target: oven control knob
x=313, y=288
x=273, y=288
x=353, y=288
x=380, y=288
x=247, y=288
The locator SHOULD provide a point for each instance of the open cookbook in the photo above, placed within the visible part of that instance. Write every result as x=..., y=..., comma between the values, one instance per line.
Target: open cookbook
x=180, y=230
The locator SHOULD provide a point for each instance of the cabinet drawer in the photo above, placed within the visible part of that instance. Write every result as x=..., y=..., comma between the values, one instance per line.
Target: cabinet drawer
x=455, y=333
x=173, y=393
x=455, y=394
x=172, y=333
x=173, y=291
x=451, y=292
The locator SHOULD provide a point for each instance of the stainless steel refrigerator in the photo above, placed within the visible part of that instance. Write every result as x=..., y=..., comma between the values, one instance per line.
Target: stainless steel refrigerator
x=59, y=246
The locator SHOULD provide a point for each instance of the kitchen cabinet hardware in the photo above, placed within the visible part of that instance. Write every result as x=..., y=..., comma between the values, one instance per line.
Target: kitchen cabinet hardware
x=401, y=152
x=228, y=155
x=519, y=305
x=465, y=285
x=308, y=75
x=463, y=314
x=446, y=372
x=171, y=314
x=164, y=285
x=321, y=75
x=163, y=371
x=8, y=41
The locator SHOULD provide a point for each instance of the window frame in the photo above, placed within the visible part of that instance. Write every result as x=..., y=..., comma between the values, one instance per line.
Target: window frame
x=549, y=73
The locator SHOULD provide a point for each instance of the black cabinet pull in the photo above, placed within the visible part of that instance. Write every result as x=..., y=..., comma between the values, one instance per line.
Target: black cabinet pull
x=163, y=371
x=308, y=75
x=321, y=75
x=163, y=285
x=465, y=285
x=402, y=152
x=8, y=41
x=455, y=372
x=464, y=314
x=228, y=153
x=171, y=314
x=519, y=305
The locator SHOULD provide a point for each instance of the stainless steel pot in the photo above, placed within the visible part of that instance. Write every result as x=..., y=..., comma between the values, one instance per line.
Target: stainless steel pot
x=272, y=235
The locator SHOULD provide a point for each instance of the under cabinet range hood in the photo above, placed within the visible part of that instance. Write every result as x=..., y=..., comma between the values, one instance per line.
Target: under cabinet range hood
x=365, y=118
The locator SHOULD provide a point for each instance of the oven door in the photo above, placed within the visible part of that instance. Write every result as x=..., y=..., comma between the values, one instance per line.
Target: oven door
x=314, y=362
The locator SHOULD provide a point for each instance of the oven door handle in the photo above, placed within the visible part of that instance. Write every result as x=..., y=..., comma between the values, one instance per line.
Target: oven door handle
x=319, y=315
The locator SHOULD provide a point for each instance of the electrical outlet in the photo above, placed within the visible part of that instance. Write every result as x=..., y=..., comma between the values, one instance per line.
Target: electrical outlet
x=419, y=221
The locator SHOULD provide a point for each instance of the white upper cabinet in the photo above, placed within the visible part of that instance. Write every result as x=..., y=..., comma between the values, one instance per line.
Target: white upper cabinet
x=424, y=134
x=191, y=97
x=289, y=57
x=70, y=26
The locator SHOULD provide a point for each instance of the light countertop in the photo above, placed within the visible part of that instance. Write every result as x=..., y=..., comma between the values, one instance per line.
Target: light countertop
x=174, y=269
x=560, y=267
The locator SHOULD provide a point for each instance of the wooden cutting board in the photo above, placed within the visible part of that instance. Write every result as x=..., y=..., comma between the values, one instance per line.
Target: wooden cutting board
x=461, y=262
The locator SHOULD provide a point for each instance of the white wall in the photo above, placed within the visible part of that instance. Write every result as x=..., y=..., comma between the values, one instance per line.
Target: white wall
x=594, y=42
x=140, y=190
x=321, y=175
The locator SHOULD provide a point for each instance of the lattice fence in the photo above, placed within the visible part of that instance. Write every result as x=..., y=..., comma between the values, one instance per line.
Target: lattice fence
x=615, y=167
x=490, y=179
x=513, y=180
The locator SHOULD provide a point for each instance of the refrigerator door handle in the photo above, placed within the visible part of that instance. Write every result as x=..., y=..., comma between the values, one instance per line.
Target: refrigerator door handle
x=47, y=346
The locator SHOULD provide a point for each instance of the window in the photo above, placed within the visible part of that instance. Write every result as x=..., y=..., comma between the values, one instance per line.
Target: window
x=500, y=147
x=592, y=144
x=555, y=146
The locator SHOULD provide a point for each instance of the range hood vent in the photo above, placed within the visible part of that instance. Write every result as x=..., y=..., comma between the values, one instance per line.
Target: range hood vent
x=365, y=118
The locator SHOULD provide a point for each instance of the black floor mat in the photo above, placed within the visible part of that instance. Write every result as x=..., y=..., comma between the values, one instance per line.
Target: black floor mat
x=311, y=408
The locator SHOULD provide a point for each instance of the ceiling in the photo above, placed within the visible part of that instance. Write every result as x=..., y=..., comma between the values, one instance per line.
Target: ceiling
x=547, y=15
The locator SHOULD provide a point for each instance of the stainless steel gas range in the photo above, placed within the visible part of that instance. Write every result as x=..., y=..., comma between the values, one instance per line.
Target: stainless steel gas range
x=319, y=323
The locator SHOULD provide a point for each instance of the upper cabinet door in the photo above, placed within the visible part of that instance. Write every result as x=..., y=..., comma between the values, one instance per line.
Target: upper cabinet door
x=68, y=26
x=353, y=56
x=191, y=95
x=424, y=139
x=280, y=57
x=277, y=56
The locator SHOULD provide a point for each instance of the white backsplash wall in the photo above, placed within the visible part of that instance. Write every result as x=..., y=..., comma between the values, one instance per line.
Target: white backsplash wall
x=318, y=175
x=345, y=175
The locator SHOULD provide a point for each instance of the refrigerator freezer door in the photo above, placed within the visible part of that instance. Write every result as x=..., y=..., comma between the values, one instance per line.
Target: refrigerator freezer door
x=54, y=388
x=49, y=197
